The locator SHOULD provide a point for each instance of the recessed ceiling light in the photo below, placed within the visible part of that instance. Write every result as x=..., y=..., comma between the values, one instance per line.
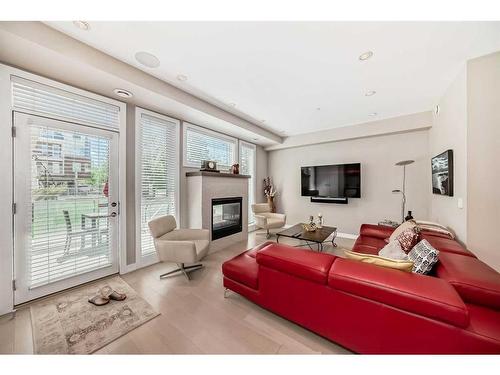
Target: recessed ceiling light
x=373, y=114
x=370, y=93
x=82, y=25
x=365, y=56
x=182, y=77
x=318, y=109
x=147, y=59
x=123, y=93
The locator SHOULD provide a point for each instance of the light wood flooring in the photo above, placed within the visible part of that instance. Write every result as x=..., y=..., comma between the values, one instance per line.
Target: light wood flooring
x=195, y=317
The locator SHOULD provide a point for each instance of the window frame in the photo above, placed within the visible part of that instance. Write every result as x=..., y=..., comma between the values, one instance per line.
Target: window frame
x=140, y=260
x=199, y=129
x=241, y=144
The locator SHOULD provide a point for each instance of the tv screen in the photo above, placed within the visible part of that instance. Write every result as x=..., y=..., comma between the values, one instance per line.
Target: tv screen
x=332, y=181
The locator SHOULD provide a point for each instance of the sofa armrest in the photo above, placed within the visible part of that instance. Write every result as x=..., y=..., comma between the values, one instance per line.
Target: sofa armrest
x=300, y=263
x=281, y=217
x=423, y=295
x=377, y=231
x=260, y=221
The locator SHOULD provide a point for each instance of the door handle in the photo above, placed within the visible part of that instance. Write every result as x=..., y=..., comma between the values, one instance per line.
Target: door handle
x=112, y=214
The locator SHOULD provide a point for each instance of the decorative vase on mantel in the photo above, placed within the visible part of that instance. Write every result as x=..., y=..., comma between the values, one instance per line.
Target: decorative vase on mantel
x=270, y=202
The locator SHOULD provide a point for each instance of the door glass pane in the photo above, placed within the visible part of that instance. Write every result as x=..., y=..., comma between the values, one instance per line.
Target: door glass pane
x=69, y=227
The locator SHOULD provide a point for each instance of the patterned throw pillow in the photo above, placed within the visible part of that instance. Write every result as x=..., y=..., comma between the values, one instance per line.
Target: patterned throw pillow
x=405, y=226
x=424, y=257
x=408, y=239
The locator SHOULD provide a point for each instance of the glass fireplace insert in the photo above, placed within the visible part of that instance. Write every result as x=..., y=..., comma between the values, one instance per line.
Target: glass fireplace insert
x=226, y=217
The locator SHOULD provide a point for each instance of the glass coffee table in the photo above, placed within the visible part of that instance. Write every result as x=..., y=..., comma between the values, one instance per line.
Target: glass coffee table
x=317, y=237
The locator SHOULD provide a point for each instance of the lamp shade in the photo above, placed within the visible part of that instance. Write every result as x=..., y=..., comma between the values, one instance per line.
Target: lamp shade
x=404, y=162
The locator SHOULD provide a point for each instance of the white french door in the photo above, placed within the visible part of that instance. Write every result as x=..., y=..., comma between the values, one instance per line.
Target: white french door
x=66, y=205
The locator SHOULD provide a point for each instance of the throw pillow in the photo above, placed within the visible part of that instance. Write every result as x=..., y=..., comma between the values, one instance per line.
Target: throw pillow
x=393, y=251
x=406, y=225
x=403, y=265
x=424, y=257
x=408, y=239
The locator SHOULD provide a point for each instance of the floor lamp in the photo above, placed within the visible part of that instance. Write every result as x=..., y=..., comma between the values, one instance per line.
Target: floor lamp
x=403, y=164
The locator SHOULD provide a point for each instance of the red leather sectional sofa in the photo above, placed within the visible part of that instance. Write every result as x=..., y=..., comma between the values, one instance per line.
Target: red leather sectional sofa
x=370, y=309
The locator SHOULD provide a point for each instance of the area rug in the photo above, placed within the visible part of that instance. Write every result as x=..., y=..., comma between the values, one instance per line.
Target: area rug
x=68, y=324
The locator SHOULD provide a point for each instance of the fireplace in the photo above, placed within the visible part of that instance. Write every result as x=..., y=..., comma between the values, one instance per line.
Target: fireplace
x=226, y=217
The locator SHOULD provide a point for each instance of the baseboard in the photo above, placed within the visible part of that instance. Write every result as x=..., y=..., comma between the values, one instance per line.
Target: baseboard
x=127, y=268
x=348, y=235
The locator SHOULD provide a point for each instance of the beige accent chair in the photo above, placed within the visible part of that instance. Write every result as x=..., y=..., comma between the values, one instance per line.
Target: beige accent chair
x=179, y=245
x=266, y=219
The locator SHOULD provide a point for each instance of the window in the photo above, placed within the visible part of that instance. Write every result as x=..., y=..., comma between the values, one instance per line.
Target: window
x=156, y=174
x=202, y=144
x=247, y=166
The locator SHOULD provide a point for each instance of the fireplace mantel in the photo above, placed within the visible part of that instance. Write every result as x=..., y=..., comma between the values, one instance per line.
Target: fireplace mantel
x=215, y=174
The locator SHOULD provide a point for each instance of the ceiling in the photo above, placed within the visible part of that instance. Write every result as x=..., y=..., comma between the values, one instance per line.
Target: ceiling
x=300, y=77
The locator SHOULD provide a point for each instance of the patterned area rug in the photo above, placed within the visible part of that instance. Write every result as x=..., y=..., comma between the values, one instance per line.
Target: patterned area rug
x=69, y=324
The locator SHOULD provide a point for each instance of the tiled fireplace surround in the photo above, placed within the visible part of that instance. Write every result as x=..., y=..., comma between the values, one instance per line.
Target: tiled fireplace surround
x=202, y=188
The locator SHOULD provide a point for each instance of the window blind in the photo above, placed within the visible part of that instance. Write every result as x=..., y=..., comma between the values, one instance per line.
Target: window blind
x=247, y=166
x=158, y=173
x=39, y=99
x=204, y=145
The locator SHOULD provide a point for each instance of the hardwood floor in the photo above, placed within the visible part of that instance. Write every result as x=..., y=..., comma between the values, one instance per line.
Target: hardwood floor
x=195, y=317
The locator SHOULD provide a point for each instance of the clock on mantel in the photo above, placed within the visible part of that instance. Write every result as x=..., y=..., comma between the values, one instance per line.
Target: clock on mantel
x=209, y=166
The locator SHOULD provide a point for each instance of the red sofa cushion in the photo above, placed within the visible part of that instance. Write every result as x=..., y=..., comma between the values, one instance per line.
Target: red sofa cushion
x=253, y=252
x=368, y=245
x=378, y=231
x=243, y=268
x=423, y=295
x=444, y=244
x=301, y=263
x=484, y=321
x=474, y=280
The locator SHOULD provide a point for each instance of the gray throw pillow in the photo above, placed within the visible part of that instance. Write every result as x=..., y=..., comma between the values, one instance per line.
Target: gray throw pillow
x=424, y=257
x=393, y=251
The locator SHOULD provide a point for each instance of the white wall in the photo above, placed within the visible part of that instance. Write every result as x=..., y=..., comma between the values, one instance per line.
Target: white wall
x=6, y=252
x=379, y=177
x=449, y=131
x=393, y=125
x=483, y=148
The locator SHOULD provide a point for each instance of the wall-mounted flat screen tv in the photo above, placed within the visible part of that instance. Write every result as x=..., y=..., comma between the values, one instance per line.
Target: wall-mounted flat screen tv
x=442, y=173
x=331, y=181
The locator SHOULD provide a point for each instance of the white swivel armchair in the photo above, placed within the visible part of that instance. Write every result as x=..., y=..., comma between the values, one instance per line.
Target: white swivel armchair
x=266, y=219
x=179, y=245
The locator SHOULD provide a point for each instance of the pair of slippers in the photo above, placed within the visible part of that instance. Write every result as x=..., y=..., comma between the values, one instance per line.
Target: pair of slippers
x=105, y=295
